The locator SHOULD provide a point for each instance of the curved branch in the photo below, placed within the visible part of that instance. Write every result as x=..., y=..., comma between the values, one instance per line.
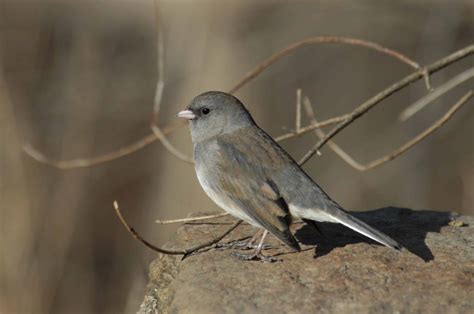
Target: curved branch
x=160, y=51
x=173, y=150
x=372, y=102
x=343, y=119
x=316, y=41
x=155, y=248
x=190, y=219
x=436, y=93
x=88, y=162
x=397, y=152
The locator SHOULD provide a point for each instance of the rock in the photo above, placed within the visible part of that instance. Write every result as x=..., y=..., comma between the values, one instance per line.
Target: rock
x=343, y=272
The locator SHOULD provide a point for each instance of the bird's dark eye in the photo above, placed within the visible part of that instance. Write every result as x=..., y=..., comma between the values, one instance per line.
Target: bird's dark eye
x=205, y=110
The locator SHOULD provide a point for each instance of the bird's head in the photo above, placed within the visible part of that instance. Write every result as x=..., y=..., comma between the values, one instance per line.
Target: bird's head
x=214, y=113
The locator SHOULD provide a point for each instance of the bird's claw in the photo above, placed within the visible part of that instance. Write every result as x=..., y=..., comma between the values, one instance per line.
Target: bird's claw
x=255, y=257
x=241, y=245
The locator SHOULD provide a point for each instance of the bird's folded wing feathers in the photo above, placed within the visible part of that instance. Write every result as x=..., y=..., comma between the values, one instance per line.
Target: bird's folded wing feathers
x=248, y=187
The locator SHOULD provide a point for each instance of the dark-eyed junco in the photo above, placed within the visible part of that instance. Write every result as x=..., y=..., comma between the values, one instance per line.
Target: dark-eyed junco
x=244, y=171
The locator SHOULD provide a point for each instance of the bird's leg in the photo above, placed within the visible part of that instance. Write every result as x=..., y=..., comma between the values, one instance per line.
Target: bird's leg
x=242, y=244
x=257, y=254
x=250, y=244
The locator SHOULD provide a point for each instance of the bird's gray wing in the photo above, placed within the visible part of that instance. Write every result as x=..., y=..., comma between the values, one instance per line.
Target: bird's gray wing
x=244, y=182
x=304, y=197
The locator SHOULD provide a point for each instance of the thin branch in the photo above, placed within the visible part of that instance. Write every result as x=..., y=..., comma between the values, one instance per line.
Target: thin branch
x=324, y=40
x=427, y=80
x=185, y=252
x=397, y=152
x=160, y=84
x=316, y=41
x=332, y=145
x=149, y=139
x=311, y=127
x=372, y=102
x=82, y=163
x=436, y=93
x=190, y=219
x=174, y=151
x=141, y=143
x=136, y=236
x=298, y=110
x=160, y=50
x=158, y=134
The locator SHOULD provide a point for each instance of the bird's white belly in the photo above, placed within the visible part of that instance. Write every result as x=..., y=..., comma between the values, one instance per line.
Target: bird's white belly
x=310, y=213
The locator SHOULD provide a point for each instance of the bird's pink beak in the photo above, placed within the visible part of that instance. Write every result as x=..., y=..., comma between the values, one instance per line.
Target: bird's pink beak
x=186, y=114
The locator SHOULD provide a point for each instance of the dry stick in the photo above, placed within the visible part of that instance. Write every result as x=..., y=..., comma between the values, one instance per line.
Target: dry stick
x=160, y=50
x=332, y=145
x=158, y=133
x=160, y=84
x=82, y=163
x=344, y=117
x=190, y=219
x=315, y=41
x=143, y=142
x=397, y=152
x=298, y=110
x=311, y=127
x=322, y=40
x=187, y=251
x=369, y=104
x=173, y=150
x=439, y=91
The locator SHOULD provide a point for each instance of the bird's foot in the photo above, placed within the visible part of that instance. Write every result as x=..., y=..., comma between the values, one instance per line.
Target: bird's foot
x=256, y=256
x=241, y=245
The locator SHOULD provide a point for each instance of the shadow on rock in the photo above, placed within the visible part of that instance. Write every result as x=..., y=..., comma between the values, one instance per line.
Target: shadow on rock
x=407, y=226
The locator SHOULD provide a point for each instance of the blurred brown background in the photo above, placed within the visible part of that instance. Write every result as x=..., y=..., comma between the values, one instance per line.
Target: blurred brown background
x=78, y=79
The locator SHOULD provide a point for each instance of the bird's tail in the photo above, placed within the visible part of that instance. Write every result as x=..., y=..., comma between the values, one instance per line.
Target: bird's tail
x=363, y=228
x=338, y=215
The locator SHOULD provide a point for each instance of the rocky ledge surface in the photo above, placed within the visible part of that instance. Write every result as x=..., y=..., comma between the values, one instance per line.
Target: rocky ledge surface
x=341, y=272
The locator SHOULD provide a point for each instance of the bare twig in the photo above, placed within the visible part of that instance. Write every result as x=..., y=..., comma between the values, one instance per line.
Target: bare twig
x=190, y=219
x=439, y=91
x=298, y=110
x=372, y=102
x=81, y=163
x=160, y=84
x=397, y=152
x=332, y=145
x=323, y=40
x=427, y=80
x=174, y=151
x=160, y=51
x=311, y=127
x=343, y=120
x=187, y=251
x=316, y=41
x=158, y=134
x=148, y=139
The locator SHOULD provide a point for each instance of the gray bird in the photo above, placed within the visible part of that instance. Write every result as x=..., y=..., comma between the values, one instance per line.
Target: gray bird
x=246, y=173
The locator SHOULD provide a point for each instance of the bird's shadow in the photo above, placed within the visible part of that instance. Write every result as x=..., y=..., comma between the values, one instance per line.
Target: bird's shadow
x=406, y=226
